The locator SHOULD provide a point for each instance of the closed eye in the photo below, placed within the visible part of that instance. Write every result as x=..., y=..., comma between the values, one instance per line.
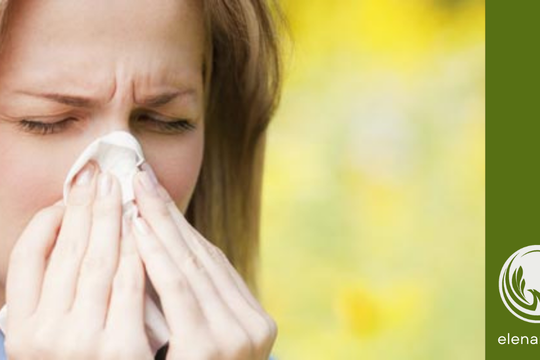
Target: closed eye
x=42, y=128
x=160, y=124
x=166, y=125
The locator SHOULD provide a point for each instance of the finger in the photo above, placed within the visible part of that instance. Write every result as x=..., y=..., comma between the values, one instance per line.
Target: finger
x=153, y=208
x=231, y=287
x=221, y=302
x=194, y=240
x=173, y=281
x=62, y=270
x=99, y=264
x=212, y=255
x=126, y=309
x=28, y=261
x=228, y=282
x=179, y=304
x=155, y=323
x=161, y=230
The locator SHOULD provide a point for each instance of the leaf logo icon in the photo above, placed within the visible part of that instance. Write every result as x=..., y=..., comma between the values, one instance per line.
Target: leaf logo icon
x=520, y=299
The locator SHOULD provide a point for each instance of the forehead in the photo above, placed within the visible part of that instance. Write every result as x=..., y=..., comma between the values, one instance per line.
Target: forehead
x=84, y=42
x=127, y=18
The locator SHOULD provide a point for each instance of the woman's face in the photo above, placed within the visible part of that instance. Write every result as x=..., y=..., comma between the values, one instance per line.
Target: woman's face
x=98, y=66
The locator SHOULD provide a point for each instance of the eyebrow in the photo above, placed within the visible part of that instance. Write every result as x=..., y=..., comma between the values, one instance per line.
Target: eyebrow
x=165, y=98
x=86, y=102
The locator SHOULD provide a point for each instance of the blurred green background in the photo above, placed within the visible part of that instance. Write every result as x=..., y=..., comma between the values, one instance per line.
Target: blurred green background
x=373, y=216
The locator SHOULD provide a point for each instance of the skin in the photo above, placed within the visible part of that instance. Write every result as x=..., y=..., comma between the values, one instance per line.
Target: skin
x=55, y=47
x=66, y=265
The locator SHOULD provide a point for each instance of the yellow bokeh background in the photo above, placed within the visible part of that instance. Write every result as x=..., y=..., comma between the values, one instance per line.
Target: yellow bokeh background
x=374, y=189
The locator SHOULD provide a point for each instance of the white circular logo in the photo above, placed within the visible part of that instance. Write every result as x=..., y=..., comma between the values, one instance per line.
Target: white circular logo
x=519, y=284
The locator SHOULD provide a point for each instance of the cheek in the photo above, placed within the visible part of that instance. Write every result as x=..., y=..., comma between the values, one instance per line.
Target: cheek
x=31, y=178
x=177, y=167
x=33, y=174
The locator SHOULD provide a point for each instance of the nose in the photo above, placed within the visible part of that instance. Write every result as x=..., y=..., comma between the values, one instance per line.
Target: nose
x=112, y=122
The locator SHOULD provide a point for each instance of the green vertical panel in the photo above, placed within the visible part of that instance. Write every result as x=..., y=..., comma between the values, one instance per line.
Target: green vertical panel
x=513, y=159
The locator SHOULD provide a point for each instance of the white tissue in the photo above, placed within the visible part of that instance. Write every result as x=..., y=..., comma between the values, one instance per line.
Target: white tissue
x=120, y=154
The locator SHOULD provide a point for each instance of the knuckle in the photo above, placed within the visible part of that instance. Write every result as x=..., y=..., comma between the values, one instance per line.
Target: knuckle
x=110, y=353
x=220, y=253
x=46, y=342
x=82, y=337
x=103, y=209
x=41, y=343
x=211, y=352
x=97, y=266
x=129, y=253
x=127, y=286
x=128, y=348
x=208, y=350
x=80, y=210
x=137, y=353
x=159, y=208
x=128, y=279
x=192, y=264
x=15, y=347
x=240, y=346
x=176, y=282
x=162, y=192
x=75, y=350
x=262, y=334
x=273, y=328
x=68, y=248
x=155, y=251
x=215, y=252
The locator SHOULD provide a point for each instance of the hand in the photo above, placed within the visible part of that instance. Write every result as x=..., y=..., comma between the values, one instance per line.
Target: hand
x=209, y=310
x=87, y=301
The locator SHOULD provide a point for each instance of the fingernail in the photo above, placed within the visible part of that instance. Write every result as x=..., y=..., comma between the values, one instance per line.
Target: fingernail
x=141, y=226
x=85, y=175
x=104, y=185
x=147, y=183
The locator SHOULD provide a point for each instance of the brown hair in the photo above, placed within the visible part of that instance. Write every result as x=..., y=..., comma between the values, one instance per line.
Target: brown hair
x=244, y=82
x=243, y=77
x=3, y=20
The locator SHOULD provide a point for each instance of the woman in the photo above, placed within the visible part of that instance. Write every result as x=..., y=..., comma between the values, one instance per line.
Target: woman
x=196, y=82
